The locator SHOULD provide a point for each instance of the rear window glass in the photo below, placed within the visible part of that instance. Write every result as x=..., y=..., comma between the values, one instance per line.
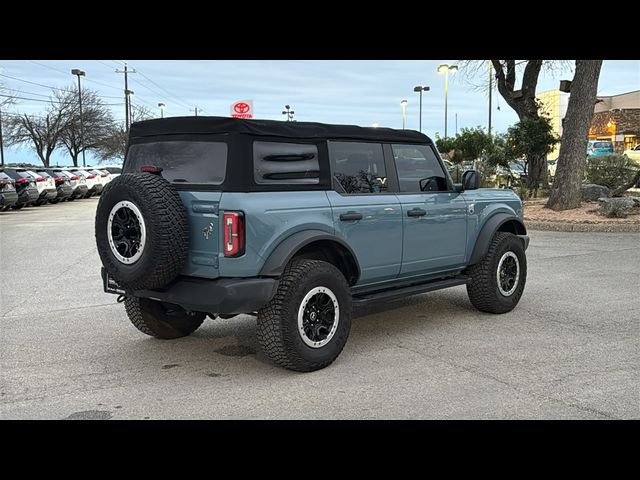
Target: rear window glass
x=4, y=176
x=603, y=145
x=43, y=174
x=181, y=161
x=24, y=174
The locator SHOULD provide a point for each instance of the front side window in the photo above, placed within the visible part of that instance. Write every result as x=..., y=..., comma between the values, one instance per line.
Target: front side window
x=358, y=167
x=285, y=163
x=181, y=161
x=418, y=169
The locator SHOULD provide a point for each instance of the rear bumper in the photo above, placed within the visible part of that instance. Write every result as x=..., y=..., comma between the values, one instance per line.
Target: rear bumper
x=221, y=295
x=28, y=196
x=8, y=198
x=80, y=191
x=64, y=192
x=48, y=194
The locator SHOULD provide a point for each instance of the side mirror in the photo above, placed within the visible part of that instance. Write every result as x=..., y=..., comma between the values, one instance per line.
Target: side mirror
x=471, y=180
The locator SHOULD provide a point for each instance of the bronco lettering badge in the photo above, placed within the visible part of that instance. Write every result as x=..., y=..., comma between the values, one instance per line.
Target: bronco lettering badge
x=207, y=231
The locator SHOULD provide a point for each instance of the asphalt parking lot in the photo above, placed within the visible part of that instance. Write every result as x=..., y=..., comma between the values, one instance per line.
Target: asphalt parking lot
x=571, y=349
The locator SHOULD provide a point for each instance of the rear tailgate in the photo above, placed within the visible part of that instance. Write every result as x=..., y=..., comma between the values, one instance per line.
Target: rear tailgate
x=204, y=238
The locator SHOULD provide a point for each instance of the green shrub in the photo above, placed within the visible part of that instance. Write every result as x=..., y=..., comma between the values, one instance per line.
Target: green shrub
x=612, y=171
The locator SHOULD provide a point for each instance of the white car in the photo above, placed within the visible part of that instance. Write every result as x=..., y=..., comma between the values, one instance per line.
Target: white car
x=103, y=176
x=633, y=153
x=46, y=187
x=114, y=170
x=78, y=183
x=93, y=183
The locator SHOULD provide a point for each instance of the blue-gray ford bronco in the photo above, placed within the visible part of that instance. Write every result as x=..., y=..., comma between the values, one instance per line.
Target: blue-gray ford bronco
x=297, y=223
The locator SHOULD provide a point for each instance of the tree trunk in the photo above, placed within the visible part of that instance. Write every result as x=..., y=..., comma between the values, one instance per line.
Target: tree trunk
x=565, y=193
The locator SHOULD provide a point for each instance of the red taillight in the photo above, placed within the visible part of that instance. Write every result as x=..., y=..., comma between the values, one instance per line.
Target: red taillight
x=91, y=176
x=104, y=175
x=75, y=177
x=40, y=179
x=21, y=180
x=57, y=179
x=233, y=226
x=151, y=169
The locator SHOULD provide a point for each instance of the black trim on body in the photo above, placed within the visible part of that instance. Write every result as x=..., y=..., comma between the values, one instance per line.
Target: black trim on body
x=489, y=229
x=220, y=295
x=279, y=258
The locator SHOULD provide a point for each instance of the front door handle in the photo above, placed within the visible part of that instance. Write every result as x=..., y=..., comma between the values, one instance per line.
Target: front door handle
x=350, y=216
x=416, y=212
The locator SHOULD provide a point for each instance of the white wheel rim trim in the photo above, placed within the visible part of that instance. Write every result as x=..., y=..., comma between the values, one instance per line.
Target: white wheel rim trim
x=509, y=292
x=301, y=310
x=143, y=232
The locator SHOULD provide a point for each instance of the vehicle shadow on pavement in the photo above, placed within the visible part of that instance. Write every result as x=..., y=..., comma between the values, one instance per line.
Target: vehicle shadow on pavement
x=221, y=346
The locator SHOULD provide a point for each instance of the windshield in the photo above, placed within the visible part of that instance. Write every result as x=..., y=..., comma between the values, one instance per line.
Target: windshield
x=603, y=145
x=517, y=166
x=181, y=161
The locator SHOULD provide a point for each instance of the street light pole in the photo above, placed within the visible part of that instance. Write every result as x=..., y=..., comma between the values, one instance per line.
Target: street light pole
x=403, y=104
x=1, y=142
x=444, y=68
x=79, y=73
x=161, y=106
x=420, y=89
x=289, y=113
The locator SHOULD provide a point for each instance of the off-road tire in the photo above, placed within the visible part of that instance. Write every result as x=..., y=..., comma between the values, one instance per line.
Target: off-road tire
x=483, y=288
x=277, y=328
x=150, y=317
x=167, y=231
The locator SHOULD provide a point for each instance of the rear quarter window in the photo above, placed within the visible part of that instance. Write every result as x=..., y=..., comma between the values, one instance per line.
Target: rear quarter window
x=285, y=163
x=181, y=161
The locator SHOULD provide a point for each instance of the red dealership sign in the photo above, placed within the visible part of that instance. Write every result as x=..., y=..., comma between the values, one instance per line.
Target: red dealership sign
x=242, y=109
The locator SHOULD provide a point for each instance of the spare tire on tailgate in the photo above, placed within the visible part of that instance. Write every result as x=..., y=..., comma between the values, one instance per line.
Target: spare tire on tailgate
x=142, y=231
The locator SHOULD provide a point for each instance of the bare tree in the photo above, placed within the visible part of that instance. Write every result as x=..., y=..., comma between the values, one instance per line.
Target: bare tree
x=113, y=146
x=97, y=121
x=6, y=99
x=42, y=133
x=565, y=193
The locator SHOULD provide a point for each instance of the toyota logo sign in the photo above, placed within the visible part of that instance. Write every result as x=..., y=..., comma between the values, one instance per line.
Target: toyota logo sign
x=242, y=109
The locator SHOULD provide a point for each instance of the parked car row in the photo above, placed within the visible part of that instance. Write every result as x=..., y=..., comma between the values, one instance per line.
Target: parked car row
x=24, y=187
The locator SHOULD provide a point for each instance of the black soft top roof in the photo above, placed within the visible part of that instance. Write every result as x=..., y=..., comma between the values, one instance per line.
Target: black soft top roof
x=271, y=128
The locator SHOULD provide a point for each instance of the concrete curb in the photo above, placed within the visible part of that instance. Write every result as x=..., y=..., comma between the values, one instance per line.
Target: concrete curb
x=582, y=227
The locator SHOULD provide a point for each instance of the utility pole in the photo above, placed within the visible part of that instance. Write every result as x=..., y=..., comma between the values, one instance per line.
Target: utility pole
x=490, y=92
x=196, y=111
x=456, y=124
x=1, y=143
x=127, y=93
x=80, y=73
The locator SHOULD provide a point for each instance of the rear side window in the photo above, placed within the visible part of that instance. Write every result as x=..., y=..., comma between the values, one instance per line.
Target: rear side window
x=419, y=169
x=358, y=167
x=285, y=163
x=181, y=161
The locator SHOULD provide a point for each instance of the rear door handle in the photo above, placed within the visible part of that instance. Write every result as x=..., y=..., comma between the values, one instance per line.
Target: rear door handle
x=350, y=216
x=416, y=212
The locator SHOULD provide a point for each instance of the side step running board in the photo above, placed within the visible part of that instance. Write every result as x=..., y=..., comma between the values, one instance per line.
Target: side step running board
x=392, y=294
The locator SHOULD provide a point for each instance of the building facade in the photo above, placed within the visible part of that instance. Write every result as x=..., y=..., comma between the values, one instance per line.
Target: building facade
x=553, y=104
x=617, y=118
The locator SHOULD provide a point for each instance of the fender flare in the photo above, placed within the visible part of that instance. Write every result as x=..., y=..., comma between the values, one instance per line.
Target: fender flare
x=487, y=232
x=278, y=259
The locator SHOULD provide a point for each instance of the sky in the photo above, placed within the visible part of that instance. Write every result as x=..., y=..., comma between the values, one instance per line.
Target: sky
x=360, y=92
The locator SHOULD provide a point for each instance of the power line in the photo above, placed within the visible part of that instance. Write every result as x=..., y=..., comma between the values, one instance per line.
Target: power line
x=184, y=104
